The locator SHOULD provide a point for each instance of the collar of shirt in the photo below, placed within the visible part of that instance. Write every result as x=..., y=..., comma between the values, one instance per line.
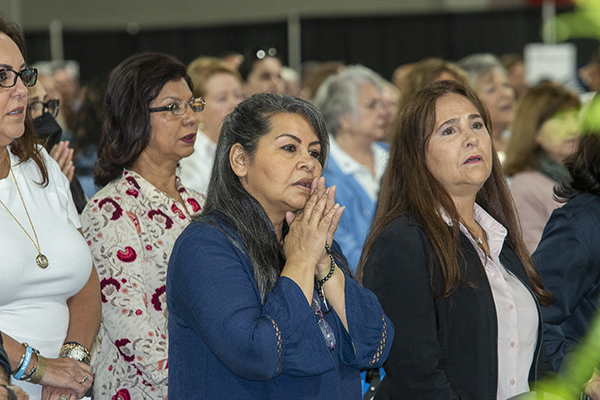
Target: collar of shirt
x=495, y=232
x=349, y=165
x=136, y=183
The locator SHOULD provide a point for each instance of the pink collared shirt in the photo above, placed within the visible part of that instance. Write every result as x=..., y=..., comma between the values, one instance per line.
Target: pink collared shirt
x=516, y=310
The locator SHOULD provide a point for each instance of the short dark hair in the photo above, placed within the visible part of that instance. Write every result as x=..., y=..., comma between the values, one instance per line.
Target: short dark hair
x=246, y=125
x=131, y=87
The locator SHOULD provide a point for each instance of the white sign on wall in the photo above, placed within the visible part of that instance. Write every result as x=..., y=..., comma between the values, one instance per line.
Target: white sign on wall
x=556, y=62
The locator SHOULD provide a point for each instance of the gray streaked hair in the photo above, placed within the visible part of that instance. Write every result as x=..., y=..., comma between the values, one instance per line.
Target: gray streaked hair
x=479, y=65
x=337, y=96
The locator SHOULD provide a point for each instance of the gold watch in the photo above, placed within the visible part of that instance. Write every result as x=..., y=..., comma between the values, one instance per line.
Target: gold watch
x=76, y=351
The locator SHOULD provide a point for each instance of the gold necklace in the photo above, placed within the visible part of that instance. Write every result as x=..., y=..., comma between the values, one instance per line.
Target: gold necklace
x=41, y=260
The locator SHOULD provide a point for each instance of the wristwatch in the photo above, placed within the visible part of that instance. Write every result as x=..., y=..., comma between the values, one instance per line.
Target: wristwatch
x=76, y=351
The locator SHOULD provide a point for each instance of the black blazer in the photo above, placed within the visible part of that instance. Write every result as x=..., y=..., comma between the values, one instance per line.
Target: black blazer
x=446, y=348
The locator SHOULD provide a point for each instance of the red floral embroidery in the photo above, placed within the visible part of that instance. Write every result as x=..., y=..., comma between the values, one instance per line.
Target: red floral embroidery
x=195, y=206
x=107, y=287
x=138, y=312
x=159, y=297
x=177, y=211
x=132, y=192
x=121, y=343
x=132, y=181
x=128, y=255
x=122, y=394
x=160, y=217
x=116, y=209
x=148, y=247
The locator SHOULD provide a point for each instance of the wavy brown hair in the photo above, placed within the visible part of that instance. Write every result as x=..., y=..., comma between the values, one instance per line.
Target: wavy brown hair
x=426, y=72
x=409, y=187
x=26, y=146
x=538, y=105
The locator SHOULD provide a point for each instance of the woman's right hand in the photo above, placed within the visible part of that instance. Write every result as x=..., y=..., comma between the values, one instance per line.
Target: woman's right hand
x=64, y=157
x=68, y=373
x=312, y=227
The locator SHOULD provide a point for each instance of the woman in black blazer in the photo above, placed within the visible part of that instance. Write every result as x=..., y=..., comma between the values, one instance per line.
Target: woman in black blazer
x=446, y=259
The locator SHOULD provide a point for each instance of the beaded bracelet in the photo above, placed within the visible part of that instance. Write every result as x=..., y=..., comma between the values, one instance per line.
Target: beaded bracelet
x=11, y=393
x=21, y=371
x=320, y=282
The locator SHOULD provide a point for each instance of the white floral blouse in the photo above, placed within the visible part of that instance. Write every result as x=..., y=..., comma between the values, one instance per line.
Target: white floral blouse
x=131, y=228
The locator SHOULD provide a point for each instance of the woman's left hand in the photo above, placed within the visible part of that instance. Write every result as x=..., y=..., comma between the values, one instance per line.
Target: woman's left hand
x=52, y=393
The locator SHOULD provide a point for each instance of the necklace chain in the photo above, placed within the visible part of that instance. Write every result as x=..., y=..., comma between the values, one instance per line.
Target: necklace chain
x=41, y=260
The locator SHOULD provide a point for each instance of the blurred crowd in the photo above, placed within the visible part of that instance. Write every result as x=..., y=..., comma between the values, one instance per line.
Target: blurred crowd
x=103, y=136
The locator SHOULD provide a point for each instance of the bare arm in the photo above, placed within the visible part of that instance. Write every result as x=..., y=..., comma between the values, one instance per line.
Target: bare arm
x=85, y=312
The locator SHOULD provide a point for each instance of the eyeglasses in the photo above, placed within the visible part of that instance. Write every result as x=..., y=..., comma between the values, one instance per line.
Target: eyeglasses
x=39, y=107
x=179, y=107
x=8, y=77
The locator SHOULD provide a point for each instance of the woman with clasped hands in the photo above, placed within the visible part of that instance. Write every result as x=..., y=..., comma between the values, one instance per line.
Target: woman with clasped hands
x=49, y=292
x=260, y=302
x=446, y=259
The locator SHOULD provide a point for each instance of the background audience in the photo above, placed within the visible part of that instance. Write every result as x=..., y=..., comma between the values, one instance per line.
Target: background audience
x=544, y=134
x=352, y=105
x=221, y=87
x=490, y=81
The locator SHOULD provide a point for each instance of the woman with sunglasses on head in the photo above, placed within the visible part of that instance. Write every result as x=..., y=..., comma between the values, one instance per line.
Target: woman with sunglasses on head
x=132, y=223
x=49, y=292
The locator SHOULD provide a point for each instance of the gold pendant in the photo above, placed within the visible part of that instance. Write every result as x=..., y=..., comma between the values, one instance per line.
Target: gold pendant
x=42, y=261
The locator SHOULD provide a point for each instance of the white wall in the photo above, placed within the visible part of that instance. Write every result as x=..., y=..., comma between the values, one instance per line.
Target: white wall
x=148, y=14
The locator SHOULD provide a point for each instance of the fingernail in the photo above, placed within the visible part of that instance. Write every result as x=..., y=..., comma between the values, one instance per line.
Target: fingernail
x=327, y=191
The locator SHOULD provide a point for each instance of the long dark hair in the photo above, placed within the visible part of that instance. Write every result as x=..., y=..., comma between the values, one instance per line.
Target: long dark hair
x=409, y=187
x=246, y=125
x=131, y=87
x=26, y=146
x=584, y=168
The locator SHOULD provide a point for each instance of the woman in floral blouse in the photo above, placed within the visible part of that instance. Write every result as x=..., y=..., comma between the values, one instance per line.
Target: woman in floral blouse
x=132, y=223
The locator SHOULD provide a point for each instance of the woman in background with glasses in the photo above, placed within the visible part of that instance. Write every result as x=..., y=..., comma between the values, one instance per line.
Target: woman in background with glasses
x=49, y=292
x=132, y=223
x=43, y=111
